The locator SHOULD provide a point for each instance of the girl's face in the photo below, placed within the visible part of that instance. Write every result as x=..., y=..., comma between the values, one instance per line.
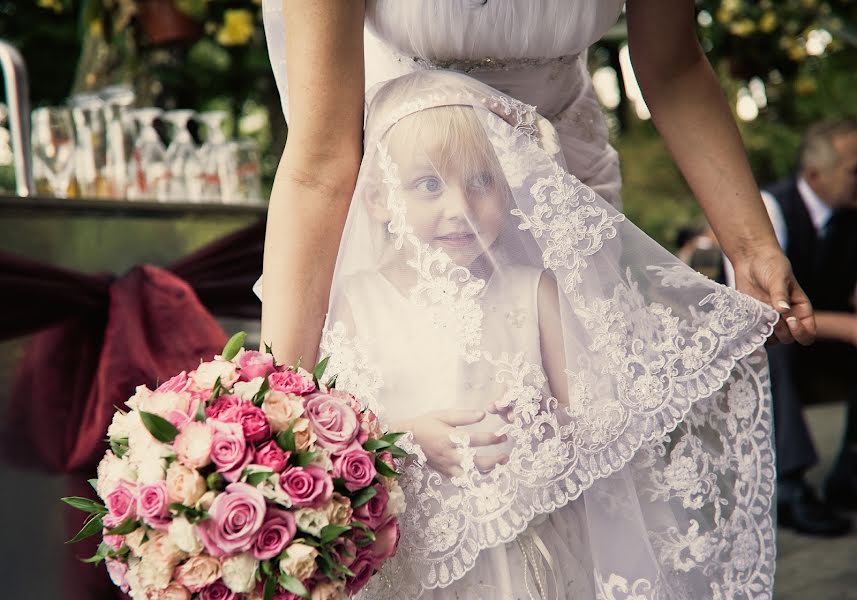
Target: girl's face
x=457, y=205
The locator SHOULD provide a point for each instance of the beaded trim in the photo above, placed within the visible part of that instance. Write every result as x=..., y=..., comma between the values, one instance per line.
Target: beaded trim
x=488, y=63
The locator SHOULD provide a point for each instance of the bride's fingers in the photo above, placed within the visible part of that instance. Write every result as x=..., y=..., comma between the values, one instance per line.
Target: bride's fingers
x=485, y=438
x=782, y=333
x=456, y=418
x=486, y=463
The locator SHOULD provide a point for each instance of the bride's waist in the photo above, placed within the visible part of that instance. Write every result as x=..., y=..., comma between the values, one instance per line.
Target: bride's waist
x=549, y=84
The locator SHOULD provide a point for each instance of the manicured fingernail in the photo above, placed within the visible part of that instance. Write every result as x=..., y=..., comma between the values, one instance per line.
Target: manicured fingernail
x=792, y=321
x=784, y=305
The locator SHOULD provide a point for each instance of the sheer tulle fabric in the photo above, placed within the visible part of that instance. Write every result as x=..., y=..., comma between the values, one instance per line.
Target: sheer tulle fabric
x=476, y=272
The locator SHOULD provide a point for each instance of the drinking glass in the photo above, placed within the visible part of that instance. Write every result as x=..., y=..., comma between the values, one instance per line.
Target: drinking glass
x=87, y=111
x=119, y=137
x=182, y=160
x=248, y=171
x=53, y=151
x=147, y=169
x=213, y=156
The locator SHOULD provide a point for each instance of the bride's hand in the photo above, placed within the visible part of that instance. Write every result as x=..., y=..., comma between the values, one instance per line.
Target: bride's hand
x=432, y=432
x=766, y=274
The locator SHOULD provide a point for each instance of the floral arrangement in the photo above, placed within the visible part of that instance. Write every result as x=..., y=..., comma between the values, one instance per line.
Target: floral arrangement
x=244, y=479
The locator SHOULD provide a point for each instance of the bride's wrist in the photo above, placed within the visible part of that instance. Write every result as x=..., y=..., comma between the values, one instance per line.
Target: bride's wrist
x=751, y=249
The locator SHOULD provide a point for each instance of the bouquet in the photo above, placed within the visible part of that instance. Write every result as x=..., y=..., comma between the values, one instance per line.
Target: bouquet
x=245, y=480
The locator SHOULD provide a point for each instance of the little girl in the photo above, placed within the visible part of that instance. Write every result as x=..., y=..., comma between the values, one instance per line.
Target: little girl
x=588, y=417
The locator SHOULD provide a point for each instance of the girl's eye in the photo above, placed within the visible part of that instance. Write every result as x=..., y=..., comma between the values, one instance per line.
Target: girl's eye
x=481, y=181
x=428, y=185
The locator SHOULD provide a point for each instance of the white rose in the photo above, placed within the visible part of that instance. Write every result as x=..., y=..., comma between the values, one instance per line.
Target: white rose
x=322, y=460
x=193, y=444
x=112, y=470
x=150, y=469
x=132, y=577
x=239, y=572
x=163, y=403
x=310, y=520
x=206, y=374
x=140, y=395
x=206, y=500
x=155, y=573
x=120, y=426
x=299, y=561
x=134, y=540
x=272, y=491
x=396, y=504
x=247, y=389
x=182, y=533
x=140, y=441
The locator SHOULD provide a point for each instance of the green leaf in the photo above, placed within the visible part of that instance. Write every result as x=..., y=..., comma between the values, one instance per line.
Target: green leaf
x=124, y=528
x=216, y=389
x=93, y=483
x=235, y=343
x=270, y=587
x=392, y=437
x=215, y=481
x=363, y=496
x=119, y=447
x=331, y=532
x=266, y=568
x=293, y=585
x=256, y=477
x=200, y=412
x=269, y=349
x=397, y=452
x=286, y=440
x=318, y=371
x=85, y=504
x=331, y=383
x=368, y=533
x=375, y=445
x=161, y=429
x=100, y=554
x=92, y=526
x=384, y=469
x=305, y=458
x=259, y=397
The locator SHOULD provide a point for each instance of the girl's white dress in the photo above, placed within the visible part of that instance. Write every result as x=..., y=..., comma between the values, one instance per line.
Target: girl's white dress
x=655, y=479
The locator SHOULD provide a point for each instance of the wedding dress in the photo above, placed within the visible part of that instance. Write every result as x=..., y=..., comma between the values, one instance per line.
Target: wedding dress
x=484, y=266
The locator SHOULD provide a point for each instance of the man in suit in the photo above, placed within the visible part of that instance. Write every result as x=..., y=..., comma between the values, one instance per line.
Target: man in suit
x=815, y=217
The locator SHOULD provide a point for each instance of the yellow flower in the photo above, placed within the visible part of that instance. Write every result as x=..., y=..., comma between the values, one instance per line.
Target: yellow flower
x=768, y=22
x=237, y=27
x=54, y=5
x=743, y=27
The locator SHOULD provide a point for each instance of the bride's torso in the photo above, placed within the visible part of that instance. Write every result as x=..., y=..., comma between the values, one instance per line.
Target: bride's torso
x=525, y=48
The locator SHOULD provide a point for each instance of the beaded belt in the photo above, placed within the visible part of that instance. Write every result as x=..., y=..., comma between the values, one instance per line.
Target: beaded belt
x=489, y=64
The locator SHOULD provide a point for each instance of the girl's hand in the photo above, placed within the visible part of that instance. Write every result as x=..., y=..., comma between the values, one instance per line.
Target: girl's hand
x=432, y=432
x=766, y=274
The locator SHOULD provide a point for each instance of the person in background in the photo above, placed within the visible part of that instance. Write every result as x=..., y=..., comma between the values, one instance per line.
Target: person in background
x=814, y=215
x=697, y=247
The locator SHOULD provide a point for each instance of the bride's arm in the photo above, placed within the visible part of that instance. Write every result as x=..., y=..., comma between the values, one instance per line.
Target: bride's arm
x=691, y=113
x=317, y=173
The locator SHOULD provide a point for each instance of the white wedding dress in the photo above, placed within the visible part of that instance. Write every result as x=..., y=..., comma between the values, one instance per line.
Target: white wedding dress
x=655, y=479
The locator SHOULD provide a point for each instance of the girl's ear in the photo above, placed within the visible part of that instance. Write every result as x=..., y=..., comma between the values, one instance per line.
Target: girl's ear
x=376, y=201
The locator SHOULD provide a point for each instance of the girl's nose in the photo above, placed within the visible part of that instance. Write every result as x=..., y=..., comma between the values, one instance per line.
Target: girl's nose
x=455, y=202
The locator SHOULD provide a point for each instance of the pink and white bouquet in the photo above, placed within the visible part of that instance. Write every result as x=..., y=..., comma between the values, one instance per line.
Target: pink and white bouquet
x=247, y=480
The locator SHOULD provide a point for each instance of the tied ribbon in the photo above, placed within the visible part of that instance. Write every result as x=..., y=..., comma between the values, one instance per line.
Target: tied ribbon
x=539, y=565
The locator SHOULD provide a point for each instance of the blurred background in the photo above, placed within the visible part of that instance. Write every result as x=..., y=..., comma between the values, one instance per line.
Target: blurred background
x=156, y=130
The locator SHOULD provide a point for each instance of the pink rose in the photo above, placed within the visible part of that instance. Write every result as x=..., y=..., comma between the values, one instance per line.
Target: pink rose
x=290, y=382
x=307, y=486
x=372, y=512
x=234, y=518
x=117, y=571
x=115, y=542
x=277, y=531
x=386, y=540
x=363, y=567
x=193, y=444
x=305, y=437
x=221, y=405
x=121, y=504
x=152, y=505
x=356, y=468
x=334, y=422
x=272, y=456
x=254, y=364
x=253, y=421
x=369, y=425
x=179, y=383
x=217, y=591
x=344, y=551
x=198, y=572
x=229, y=451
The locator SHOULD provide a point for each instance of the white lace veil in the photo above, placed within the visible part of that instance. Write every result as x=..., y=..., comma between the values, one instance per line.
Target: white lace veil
x=476, y=273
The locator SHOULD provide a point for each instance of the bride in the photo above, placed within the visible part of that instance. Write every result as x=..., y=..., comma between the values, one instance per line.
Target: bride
x=591, y=420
